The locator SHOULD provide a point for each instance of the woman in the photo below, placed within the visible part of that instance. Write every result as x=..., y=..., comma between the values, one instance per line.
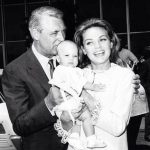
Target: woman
x=99, y=47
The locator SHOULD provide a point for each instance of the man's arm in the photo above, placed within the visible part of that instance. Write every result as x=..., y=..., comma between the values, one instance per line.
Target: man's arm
x=53, y=98
x=127, y=56
x=27, y=109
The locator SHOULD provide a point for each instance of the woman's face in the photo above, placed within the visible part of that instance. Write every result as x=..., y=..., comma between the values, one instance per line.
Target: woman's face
x=97, y=45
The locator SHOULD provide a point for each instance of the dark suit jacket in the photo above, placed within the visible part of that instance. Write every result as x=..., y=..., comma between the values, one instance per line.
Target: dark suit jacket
x=25, y=86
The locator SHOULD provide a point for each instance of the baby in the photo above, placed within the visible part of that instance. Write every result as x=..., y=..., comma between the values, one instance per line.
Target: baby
x=71, y=81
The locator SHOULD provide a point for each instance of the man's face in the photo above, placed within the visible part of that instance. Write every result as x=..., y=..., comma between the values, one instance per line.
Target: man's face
x=51, y=34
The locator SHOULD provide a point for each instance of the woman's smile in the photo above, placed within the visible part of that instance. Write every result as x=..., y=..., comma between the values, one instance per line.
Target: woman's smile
x=99, y=53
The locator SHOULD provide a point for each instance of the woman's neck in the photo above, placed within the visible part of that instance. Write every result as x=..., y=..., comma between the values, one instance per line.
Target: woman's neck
x=105, y=66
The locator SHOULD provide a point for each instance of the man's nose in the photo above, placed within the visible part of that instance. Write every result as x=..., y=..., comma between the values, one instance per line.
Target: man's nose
x=61, y=36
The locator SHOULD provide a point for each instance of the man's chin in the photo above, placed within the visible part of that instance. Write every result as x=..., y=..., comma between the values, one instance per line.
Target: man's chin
x=54, y=49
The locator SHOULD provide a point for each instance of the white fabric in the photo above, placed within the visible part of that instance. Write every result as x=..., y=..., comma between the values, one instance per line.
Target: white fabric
x=72, y=81
x=69, y=105
x=140, y=105
x=72, y=78
x=116, y=103
x=1, y=72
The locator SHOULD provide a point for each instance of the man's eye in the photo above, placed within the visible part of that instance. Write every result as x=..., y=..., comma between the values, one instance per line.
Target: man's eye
x=53, y=33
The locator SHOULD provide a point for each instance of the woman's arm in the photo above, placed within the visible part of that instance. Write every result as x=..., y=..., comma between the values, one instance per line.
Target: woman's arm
x=115, y=119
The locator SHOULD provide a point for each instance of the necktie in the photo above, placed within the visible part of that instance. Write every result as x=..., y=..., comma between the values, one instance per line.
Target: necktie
x=51, y=67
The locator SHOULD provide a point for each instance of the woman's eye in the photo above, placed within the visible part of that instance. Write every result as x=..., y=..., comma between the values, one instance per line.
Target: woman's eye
x=104, y=39
x=88, y=43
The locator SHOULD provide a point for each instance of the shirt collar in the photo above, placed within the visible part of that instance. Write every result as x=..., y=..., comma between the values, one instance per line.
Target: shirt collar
x=42, y=59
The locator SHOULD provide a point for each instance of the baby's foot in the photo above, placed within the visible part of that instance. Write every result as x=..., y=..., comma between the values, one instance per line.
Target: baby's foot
x=96, y=144
x=75, y=142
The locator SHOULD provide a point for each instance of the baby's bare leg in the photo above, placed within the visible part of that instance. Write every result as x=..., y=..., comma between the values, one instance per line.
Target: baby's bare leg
x=89, y=130
x=87, y=123
x=76, y=129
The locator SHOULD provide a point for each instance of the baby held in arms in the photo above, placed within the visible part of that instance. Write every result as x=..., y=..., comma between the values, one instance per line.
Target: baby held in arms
x=71, y=81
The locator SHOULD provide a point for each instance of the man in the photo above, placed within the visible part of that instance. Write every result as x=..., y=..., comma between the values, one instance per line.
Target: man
x=134, y=124
x=145, y=81
x=25, y=83
x=28, y=95
x=127, y=56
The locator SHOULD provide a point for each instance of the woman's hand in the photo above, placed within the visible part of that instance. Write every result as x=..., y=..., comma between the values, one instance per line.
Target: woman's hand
x=136, y=83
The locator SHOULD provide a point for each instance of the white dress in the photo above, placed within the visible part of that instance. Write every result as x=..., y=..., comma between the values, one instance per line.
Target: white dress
x=70, y=80
x=116, y=103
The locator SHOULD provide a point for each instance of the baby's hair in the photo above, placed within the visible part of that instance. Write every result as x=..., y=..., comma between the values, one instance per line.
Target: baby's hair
x=66, y=41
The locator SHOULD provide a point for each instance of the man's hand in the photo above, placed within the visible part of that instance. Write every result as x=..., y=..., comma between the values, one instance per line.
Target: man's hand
x=136, y=83
x=127, y=56
x=53, y=98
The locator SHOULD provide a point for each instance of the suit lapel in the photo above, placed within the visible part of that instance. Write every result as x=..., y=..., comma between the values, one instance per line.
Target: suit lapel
x=35, y=69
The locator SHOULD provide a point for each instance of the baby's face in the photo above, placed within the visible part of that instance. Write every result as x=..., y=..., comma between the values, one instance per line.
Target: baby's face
x=68, y=54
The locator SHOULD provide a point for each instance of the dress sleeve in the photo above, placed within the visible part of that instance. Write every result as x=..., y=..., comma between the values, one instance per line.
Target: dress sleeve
x=115, y=119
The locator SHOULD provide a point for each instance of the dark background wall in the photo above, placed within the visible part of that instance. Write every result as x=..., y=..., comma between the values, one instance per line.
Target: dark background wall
x=15, y=38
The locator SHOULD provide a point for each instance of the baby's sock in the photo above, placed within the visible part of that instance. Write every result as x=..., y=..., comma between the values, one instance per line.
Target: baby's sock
x=74, y=141
x=91, y=139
